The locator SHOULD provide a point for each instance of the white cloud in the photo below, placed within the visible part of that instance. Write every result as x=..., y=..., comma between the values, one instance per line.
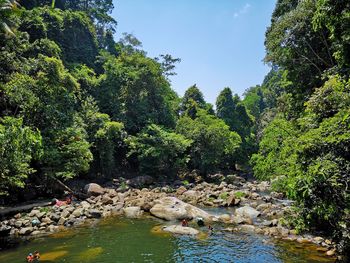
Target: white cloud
x=244, y=9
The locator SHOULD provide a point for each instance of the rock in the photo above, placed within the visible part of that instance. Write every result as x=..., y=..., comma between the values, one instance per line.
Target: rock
x=33, y=213
x=18, y=223
x=95, y=213
x=65, y=213
x=232, y=200
x=234, y=179
x=85, y=205
x=263, y=207
x=181, y=190
x=140, y=181
x=318, y=240
x=106, y=200
x=35, y=221
x=331, y=252
x=17, y=216
x=132, y=211
x=247, y=211
x=93, y=189
x=55, y=217
x=247, y=228
x=215, y=178
x=181, y=230
x=238, y=220
x=78, y=212
x=302, y=240
x=171, y=208
x=225, y=218
x=25, y=231
x=61, y=221
x=254, y=196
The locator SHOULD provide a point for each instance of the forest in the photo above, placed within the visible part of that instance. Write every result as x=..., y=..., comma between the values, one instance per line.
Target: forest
x=78, y=103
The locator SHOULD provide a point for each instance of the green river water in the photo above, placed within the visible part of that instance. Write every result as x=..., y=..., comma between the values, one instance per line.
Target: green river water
x=139, y=240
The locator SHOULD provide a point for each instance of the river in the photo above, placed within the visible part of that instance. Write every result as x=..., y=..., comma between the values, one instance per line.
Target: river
x=139, y=240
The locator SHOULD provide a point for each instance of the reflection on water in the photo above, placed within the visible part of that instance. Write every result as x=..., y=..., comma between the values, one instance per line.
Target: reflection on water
x=125, y=240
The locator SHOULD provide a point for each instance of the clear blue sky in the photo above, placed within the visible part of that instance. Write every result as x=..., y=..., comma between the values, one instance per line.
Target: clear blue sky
x=220, y=42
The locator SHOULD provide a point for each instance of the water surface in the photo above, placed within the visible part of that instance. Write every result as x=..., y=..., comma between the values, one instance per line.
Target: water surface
x=139, y=240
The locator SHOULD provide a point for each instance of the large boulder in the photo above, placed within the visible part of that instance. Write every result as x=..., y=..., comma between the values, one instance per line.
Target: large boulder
x=93, y=189
x=181, y=230
x=247, y=211
x=171, y=208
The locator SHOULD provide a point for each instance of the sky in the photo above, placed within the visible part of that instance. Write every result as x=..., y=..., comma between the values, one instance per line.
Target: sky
x=220, y=42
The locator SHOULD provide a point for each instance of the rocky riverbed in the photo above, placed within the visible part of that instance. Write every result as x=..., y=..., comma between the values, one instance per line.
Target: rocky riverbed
x=252, y=208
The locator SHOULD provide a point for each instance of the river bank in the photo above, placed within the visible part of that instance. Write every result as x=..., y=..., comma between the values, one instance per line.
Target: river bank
x=251, y=207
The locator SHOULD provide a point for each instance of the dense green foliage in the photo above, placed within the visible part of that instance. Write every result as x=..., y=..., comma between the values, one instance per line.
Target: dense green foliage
x=82, y=104
x=214, y=146
x=159, y=151
x=19, y=145
x=303, y=122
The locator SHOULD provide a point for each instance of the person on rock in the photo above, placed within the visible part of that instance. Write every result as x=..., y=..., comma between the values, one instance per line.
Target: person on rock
x=184, y=223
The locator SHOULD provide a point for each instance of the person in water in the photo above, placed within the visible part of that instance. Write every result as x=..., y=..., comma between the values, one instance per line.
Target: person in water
x=36, y=256
x=184, y=223
x=30, y=257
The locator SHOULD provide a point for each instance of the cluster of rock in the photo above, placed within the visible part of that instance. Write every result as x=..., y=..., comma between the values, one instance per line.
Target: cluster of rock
x=252, y=209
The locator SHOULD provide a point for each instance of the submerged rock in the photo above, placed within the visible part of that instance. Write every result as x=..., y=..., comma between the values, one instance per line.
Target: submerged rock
x=171, y=208
x=181, y=230
x=132, y=212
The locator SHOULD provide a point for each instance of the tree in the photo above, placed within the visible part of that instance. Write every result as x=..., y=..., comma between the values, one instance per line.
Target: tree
x=214, y=146
x=294, y=45
x=46, y=99
x=225, y=107
x=134, y=91
x=7, y=8
x=19, y=146
x=159, y=151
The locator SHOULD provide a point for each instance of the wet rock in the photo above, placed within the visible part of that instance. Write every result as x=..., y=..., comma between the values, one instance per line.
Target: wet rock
x=247, y=211
x=132, y=212
x=177, y=229
x=171, y=208
x=93, y=189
